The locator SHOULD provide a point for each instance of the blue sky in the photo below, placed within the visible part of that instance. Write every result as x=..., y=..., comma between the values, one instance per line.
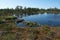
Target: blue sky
x=30, y=3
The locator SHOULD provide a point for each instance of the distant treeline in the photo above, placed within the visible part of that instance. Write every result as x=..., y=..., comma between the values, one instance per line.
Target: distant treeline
x=27, y=11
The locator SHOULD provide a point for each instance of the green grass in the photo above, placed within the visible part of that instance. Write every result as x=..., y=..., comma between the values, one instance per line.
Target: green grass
x=1, y=19
x=8, y=36
x=9, y=16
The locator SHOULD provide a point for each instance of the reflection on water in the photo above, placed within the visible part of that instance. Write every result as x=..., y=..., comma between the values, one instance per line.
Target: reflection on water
x=44, y=19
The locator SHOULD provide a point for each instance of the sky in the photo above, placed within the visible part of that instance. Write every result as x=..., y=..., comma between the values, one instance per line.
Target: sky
x=30, y=3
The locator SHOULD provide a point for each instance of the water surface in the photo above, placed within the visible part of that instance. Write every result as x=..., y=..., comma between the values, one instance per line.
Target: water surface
x=44, y=19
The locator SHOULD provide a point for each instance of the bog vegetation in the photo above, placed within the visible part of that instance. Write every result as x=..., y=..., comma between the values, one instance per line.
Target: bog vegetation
x=9, y=30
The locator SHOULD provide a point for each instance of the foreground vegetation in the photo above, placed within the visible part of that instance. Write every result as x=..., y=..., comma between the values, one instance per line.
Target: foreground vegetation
x=9, y=31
